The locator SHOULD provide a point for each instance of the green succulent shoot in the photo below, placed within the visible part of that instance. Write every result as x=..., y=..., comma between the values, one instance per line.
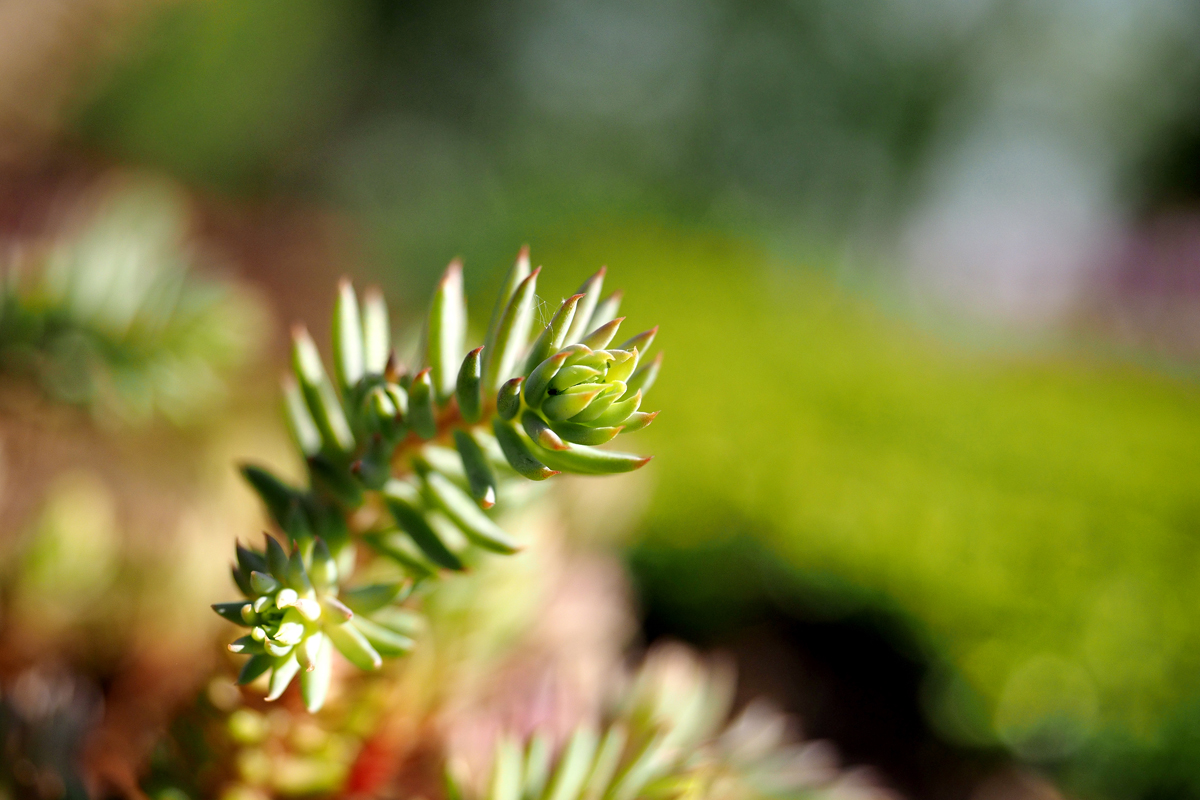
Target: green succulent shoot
x=410, y=463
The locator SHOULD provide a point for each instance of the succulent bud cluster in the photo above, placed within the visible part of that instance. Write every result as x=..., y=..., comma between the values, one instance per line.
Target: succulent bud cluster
x=297, y=615
x=426, y=452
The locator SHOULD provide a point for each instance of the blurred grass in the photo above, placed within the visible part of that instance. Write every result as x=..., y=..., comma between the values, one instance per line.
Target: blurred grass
x=1036, y=515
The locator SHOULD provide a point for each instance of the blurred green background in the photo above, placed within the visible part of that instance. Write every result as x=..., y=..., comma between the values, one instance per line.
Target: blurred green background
x=928, y=276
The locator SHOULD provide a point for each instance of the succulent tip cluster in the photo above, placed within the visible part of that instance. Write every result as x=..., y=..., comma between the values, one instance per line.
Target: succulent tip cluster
x=410, y=462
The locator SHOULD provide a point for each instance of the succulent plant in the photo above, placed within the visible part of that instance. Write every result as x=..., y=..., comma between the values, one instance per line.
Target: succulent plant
x=410, y=462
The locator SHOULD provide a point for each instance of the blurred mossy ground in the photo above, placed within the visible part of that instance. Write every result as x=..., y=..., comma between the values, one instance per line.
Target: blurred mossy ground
x=1036, y=516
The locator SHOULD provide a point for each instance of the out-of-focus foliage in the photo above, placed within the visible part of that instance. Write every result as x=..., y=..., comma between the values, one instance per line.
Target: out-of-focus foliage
x=112, y=316
x=1034, y=513
x=668, y=737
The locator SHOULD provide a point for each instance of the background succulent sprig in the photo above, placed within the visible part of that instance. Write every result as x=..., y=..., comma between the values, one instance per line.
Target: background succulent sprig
x=409, y=462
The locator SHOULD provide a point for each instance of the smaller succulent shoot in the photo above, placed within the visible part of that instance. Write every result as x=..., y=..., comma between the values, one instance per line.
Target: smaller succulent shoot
x=668, y=737
x=427, y=451
x=297, y=614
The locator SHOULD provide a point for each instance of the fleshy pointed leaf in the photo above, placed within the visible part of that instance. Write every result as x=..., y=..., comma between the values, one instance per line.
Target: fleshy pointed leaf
x=574, y=765
x=420, y=405
x=538, y=382
x=351, y=643
x=446, y=331
x=461, y=509
x=642, y=341
x=404, y=502
x=314, y=681
x=608, y=759
x=469, y=387
x=303, y=429
x=599, y=338
x=377, y=332
x=231, y=612
x=606, y=310
x=590, y=290
x=347, y=338
x=619, y=411
x=252, y=669
x=282, y=675
x=276, y=495
x=318, y=393
x=585, y=434
x=645, y=376
x=506, y=771
x=369, y=599
x=540, y=432
x=386, y=642
x=508, y=399
x=583, y=460
x=637, y=420
x=480, y=478
x=517, y=452
x=562, y=407
x=277, y=559
x=554, y=335
x=516, y=275
x=512, y=335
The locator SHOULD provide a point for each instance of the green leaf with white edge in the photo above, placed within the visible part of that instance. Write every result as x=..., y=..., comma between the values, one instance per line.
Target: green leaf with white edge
x=574, y=765
x=512, y=335
x=516, y=275
x=314, y=682
x=348, y=354
x=376, y=332
x=318, y=393
x=285, y=669
x=480, y=477
x=300, y=424
x=599, y=338
x=351, y=643
x=590, y=290
x=469, y=387
x=446, y=331
x=407, y=507
x=463, y=511
x=421, y=405
x=516, y=449
x=553, y=336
